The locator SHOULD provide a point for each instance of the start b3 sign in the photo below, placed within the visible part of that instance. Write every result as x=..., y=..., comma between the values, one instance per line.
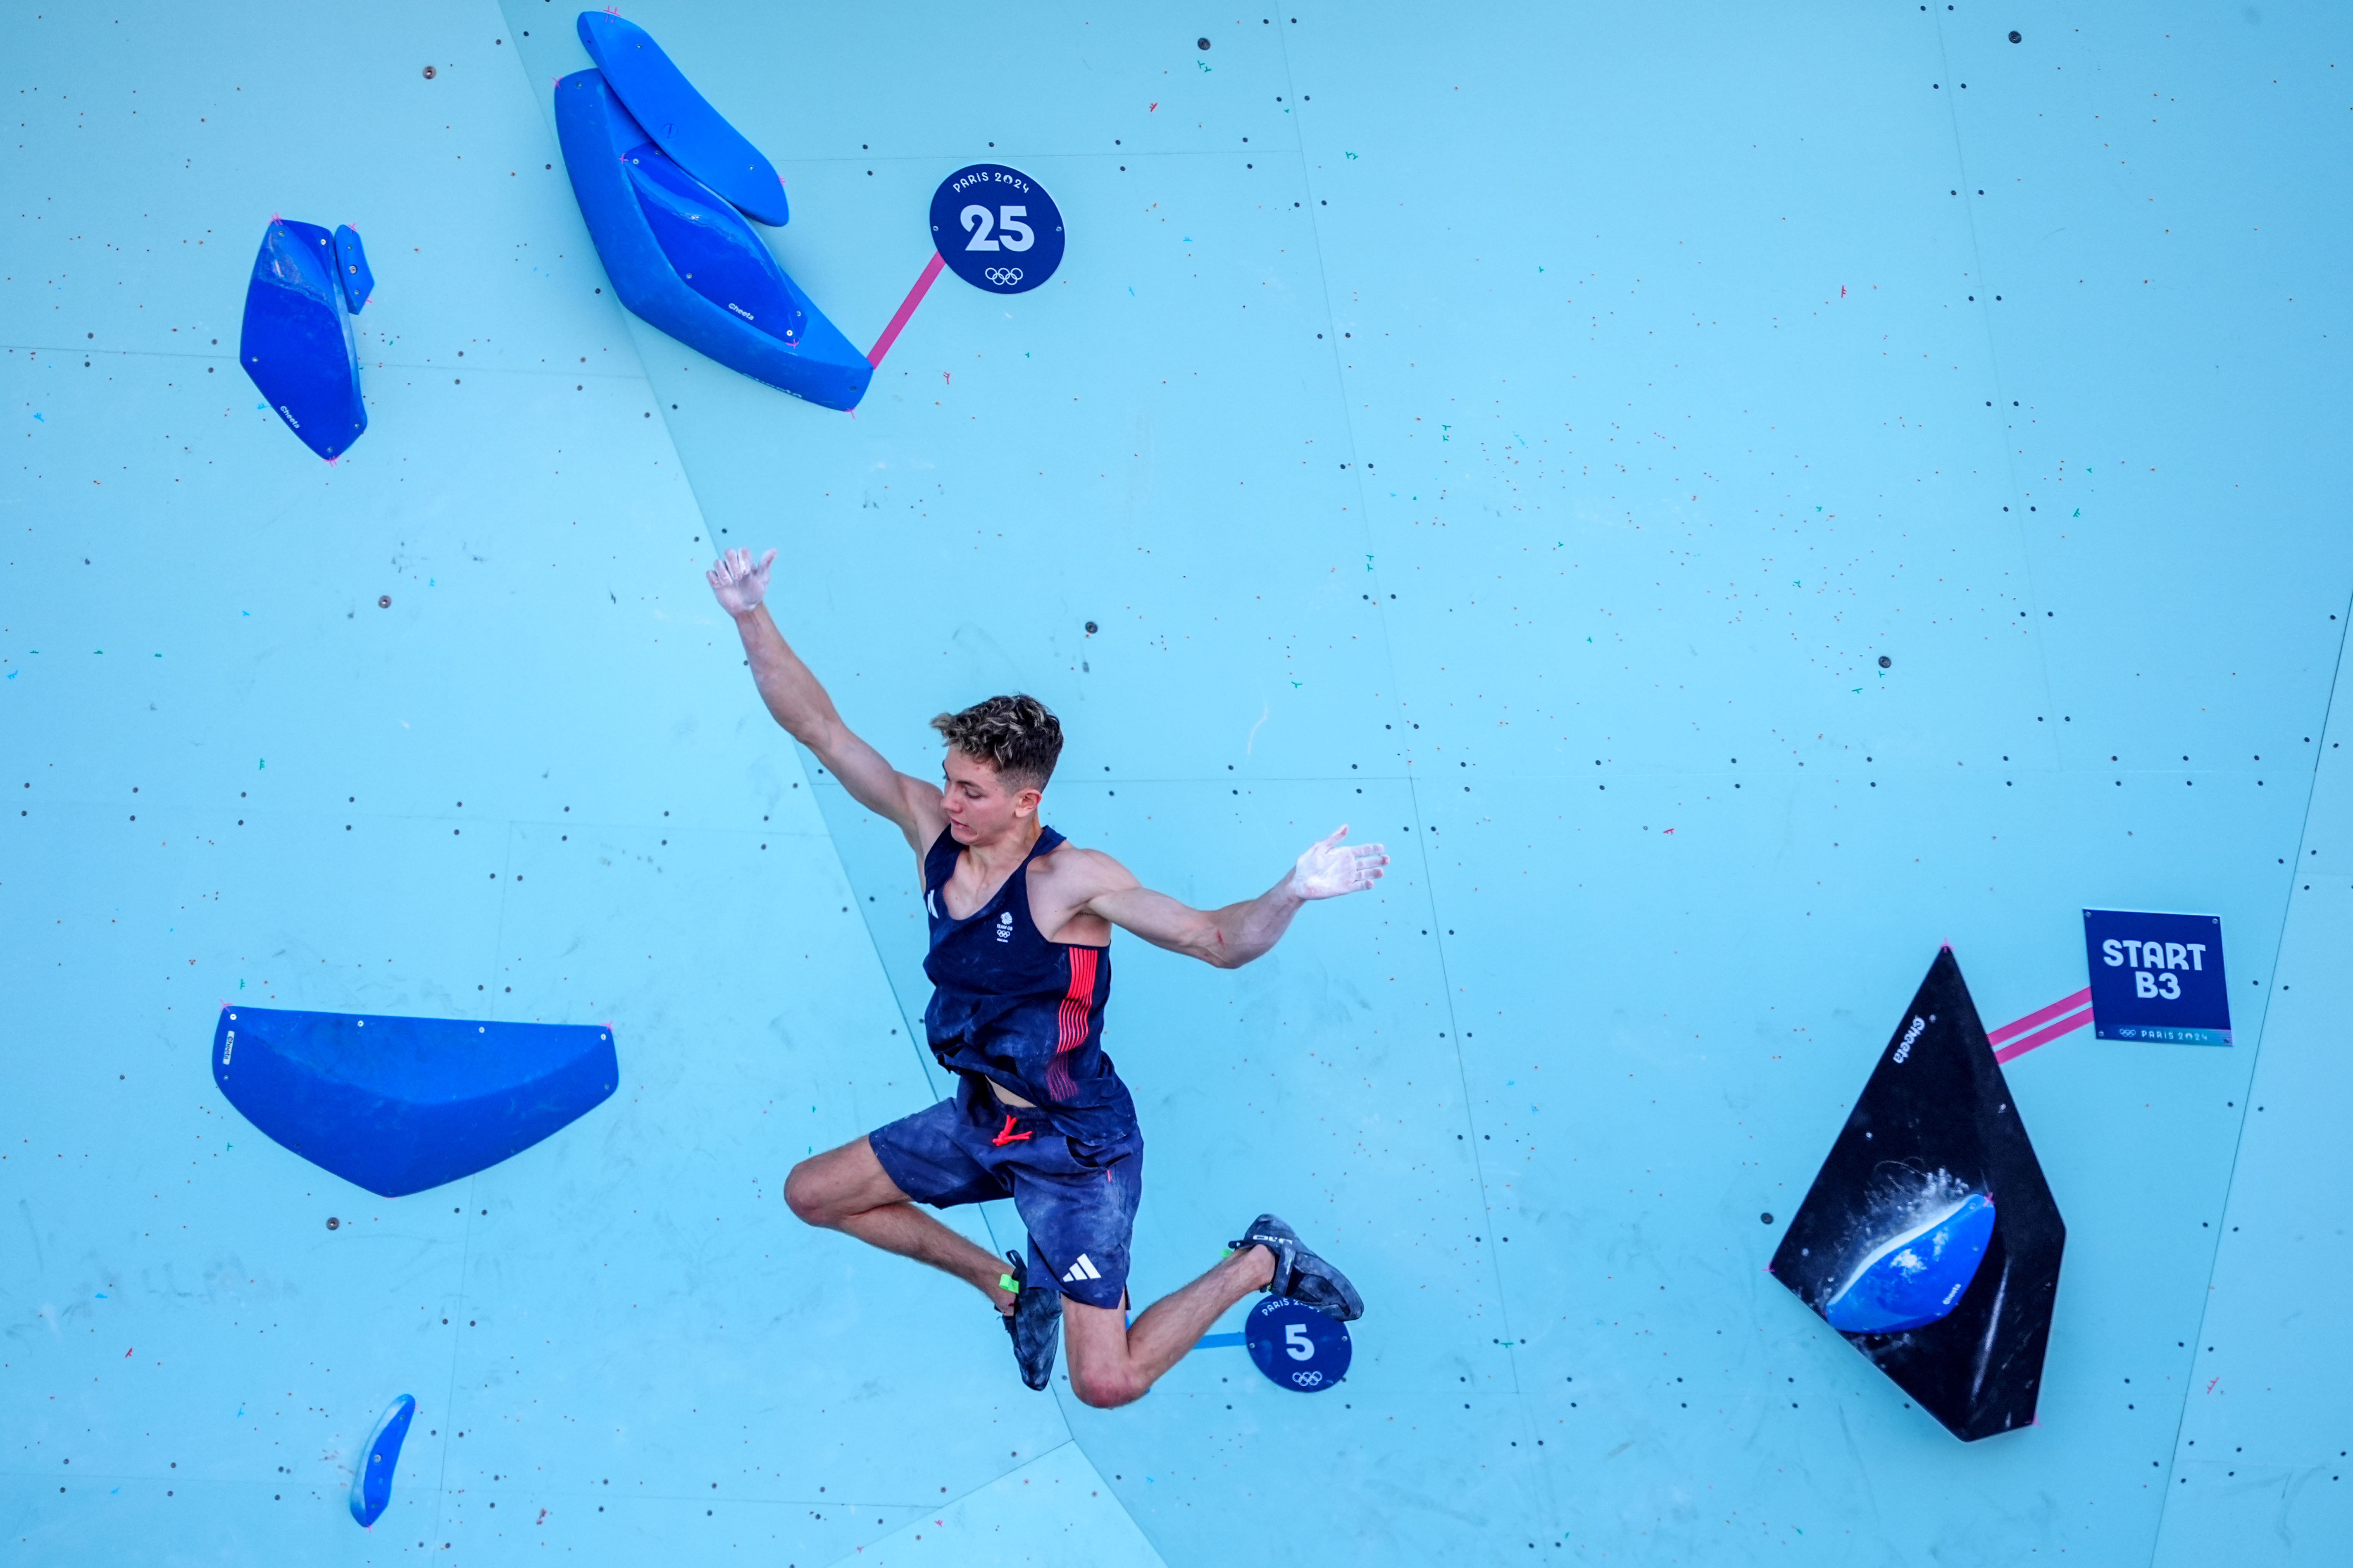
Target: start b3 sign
x=2157, y=976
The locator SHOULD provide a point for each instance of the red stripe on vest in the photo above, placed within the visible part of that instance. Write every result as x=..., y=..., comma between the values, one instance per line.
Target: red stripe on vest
x=1071, y=1019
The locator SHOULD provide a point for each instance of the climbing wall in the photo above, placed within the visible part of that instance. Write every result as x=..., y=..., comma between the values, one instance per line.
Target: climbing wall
x=1735, y=501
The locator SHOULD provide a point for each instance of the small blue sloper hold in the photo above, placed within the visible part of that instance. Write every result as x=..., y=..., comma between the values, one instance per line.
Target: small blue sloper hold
x=687, y=262
x=680, y=119
x=372, y=1480
x=1916, y=1276
x=352, y=269
x=399, y=1105
x=297, y=344
x=712, y=248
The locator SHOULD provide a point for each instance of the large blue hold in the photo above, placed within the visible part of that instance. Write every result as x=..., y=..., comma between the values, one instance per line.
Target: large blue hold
x=297, y=344
x=399, y=1105
x=1914, y=1278
x=680, y=120
x=687, y=263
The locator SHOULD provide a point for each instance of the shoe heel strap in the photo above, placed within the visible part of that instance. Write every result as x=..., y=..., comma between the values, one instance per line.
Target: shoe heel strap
x=1275, y=1250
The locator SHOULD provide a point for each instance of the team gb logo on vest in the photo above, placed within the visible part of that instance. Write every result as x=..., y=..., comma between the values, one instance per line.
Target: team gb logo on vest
x=1005, y=926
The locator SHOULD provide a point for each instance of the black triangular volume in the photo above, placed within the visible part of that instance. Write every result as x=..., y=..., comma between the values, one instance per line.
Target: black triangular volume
x=1887, y=1247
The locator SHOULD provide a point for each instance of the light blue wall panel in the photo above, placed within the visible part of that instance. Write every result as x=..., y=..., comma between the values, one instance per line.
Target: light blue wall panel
x=2259, y=1471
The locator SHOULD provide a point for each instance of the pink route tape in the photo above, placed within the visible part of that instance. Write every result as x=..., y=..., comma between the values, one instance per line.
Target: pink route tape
x=2073, y=1020
x=2042, y=1015
x=906, y=308
x=2064, y=1026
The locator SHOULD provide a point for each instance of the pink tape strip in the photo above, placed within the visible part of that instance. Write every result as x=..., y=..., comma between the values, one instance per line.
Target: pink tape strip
x=2066, y=1026
x=2041, y=1015
x=906, y=308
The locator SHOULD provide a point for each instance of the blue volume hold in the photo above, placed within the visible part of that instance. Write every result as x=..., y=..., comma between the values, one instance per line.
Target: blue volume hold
x=1916, y=1276
x=372, y=1482
x=352, y=269
x=297, y=344
x=399, y=1105
x=679, y=120
x=712, y=249
x=687, y=262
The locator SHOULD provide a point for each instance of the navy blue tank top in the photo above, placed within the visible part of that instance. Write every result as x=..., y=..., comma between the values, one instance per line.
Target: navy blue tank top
x=1011, y=1006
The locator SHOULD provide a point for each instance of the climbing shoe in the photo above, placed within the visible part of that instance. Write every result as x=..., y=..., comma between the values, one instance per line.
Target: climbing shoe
x=1299, y=1275
x=1034, y=1323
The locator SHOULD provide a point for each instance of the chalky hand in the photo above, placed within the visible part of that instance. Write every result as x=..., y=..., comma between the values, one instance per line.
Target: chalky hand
x=1329, y=868
x=738, y=584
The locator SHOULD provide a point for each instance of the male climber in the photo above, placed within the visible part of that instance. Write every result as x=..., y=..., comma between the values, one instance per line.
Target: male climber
x=1020, y=969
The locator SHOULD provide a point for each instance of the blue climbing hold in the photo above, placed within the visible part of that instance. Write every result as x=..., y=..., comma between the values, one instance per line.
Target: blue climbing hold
x=297, y=345
x=1917, y=1276
x=399, y=1105
x=680, y=120
x=686, y=261
x=372, y=1481
x=709, y=248
x=352, y=269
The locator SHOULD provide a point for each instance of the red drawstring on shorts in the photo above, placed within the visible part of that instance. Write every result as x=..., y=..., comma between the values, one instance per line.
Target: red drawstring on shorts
x=1009, y=1135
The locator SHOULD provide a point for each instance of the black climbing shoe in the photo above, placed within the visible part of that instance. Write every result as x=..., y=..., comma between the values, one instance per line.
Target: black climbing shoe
x=1299, y=1275
x=1034, y=1323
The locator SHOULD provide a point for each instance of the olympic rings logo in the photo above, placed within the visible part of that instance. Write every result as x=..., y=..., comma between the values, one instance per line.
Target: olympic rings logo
x=1307, y=1379
x=1002, y=275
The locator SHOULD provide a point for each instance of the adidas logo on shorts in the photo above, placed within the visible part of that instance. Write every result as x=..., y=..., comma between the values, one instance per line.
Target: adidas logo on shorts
x=1082, y=1271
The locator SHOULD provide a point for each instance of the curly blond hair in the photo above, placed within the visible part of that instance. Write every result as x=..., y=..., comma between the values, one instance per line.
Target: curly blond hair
x=1017, y=735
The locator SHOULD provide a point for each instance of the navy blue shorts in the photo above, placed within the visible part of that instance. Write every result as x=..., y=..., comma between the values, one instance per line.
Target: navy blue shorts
x=1077, y=1197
